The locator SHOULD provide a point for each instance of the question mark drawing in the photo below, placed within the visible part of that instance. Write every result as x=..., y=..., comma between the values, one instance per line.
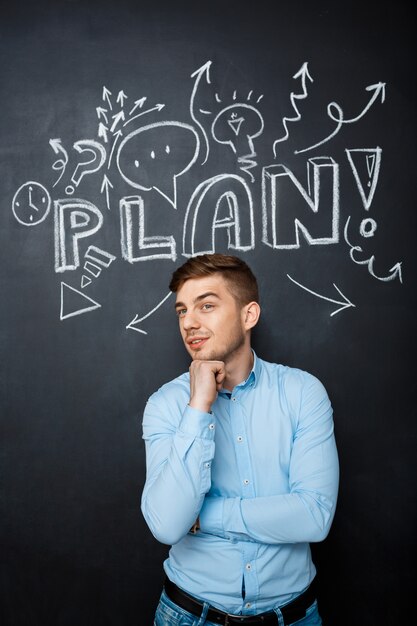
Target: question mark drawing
x=86, y=167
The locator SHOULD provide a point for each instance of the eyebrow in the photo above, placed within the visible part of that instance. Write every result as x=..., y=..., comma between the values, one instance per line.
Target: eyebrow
x=207, y=294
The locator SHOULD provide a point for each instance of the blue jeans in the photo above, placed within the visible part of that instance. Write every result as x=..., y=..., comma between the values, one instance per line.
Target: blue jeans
x=170, y=614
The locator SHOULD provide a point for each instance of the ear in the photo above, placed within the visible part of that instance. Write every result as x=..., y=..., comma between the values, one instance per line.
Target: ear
x=250, y=314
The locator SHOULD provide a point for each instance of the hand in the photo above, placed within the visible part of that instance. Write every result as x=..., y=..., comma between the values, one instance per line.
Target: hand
x=206, y=378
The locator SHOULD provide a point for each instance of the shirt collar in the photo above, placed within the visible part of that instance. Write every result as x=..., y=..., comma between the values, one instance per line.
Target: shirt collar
x=252, y=378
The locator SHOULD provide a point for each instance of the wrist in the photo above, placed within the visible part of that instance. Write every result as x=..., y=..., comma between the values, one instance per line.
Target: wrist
x=200, y=405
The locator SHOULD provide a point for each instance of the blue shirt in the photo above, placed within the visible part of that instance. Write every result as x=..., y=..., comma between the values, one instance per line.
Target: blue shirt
x=261, y=472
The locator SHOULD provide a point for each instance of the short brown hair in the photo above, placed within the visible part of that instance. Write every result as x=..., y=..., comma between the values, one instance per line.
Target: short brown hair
x=237, y=273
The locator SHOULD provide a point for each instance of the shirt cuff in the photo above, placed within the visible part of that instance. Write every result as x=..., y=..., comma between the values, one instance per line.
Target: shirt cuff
x=197, y=423
x=211, y=515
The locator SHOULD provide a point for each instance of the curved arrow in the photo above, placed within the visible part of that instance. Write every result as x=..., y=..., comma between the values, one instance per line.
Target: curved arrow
x=204, y=69
x=346, y=303
x=60, y=164
x=137, y=320
x=378, y=88
x=157, y=107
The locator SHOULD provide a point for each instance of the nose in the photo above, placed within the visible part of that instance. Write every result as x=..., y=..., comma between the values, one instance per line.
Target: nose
x=190, y=321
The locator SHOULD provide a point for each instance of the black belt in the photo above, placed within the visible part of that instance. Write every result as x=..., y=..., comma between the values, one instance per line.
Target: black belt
x=291, y=612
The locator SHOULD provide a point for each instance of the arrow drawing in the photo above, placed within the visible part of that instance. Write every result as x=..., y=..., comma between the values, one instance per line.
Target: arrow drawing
x=378, y=89
x=138, y=319
x=102, y=131
x=119, y=116
x=157, y=107
x=121, y=97
x=106, y=97
x=304, y=74
x=59, y=164
x=102, y=113
x=116, y=137
x=138, y=103
x=204, y=69
x=105, y=187
x=346, y=303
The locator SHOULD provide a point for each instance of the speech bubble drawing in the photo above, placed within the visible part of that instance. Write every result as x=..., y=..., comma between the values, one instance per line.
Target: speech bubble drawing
x=154, y=156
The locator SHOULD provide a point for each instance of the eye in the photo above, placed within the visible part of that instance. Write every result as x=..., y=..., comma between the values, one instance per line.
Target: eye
x=207, y=306
x=181, y=312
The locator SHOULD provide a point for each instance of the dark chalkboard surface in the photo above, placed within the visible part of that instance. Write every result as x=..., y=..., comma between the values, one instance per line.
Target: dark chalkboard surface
x=135, y=134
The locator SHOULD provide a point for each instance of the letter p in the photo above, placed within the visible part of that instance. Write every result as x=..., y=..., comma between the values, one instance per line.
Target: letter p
x=74, y=219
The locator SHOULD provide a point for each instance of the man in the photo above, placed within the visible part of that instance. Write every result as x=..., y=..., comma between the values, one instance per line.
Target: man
x=242, y=468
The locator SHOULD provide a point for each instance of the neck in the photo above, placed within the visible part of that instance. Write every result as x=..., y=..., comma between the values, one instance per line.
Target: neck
x=238, y=368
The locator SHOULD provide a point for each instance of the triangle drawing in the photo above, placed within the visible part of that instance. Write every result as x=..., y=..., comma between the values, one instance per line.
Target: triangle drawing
x=365, y=164
x=76, y=302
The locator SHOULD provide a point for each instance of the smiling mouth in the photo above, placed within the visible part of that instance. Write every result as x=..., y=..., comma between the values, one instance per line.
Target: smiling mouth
x=197, y=343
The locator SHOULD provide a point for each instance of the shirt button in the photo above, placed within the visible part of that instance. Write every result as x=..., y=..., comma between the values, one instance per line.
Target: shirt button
x=240, y=438
x=208, y=464
x=248, y=566
x=246, y=481
x=211, y=426
x=248, y=605
x=233, y=399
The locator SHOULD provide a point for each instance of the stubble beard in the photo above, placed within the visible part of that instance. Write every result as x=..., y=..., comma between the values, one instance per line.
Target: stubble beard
x=236, y=342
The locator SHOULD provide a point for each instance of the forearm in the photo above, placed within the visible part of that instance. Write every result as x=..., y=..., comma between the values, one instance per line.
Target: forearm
x=290, y=518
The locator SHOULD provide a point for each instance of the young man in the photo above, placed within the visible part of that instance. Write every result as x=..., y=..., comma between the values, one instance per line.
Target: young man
x=242, y=468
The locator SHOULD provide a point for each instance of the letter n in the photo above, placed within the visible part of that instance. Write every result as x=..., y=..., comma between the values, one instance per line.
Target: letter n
x=289, y=210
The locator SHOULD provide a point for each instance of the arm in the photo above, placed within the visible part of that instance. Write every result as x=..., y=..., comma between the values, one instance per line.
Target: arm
x=178, y=460
x=179, y=450
x=305, y=513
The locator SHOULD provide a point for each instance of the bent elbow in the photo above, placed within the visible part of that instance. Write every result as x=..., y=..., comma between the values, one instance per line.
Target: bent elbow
x=162, y=530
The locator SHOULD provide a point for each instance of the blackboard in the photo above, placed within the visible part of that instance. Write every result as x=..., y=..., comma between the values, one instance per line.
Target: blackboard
x=134, y=134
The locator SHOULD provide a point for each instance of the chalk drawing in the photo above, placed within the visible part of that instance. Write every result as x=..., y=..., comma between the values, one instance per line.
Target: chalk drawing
x=105, y=188
x=235, y=125
x=74, y=302
x=157, y=107
x=227, y=201
x=155, y=155
x=238, y=125
x=133, y=325
x=322, y=173
x=344, y=304
x=378, y=89
x=89, y=166
x=365, y=164
x=132, y=220
x=395, y=270
x=74, y=220
x=302, y=73
x=204, y=70
x=59, y=164
x=151, y=156
x=97, y=260
x=31, y=203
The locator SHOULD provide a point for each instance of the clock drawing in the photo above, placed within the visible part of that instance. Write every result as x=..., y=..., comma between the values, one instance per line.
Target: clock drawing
x=31, y=203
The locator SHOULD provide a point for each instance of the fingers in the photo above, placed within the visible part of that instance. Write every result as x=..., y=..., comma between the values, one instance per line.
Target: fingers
x=206, y=378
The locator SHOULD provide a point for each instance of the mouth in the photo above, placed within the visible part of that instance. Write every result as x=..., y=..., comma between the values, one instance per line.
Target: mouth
x=196, y=342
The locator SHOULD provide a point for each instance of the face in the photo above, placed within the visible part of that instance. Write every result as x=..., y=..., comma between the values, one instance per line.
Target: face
x=210, y=319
